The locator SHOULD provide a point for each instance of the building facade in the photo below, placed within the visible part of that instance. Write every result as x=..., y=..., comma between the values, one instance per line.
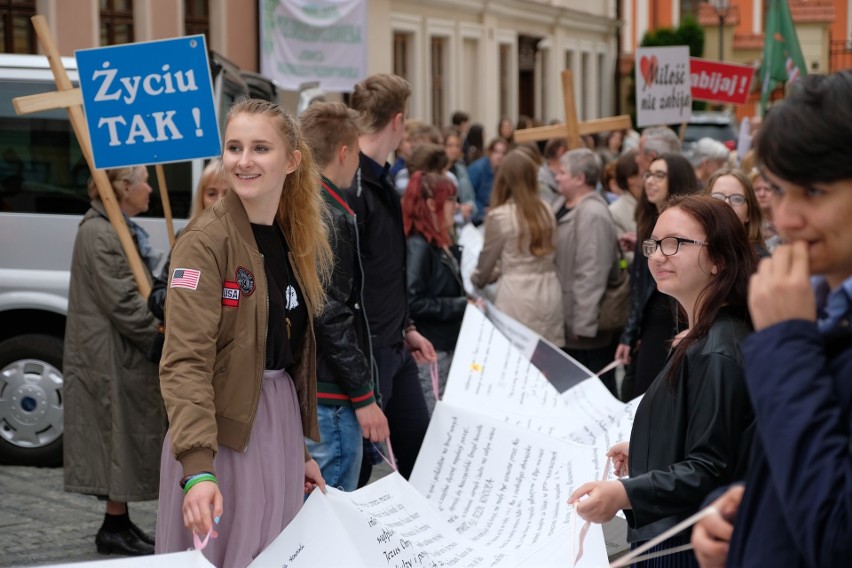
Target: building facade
x=490, y=58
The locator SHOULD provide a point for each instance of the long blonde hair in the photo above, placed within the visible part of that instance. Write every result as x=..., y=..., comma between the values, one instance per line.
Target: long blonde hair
x=517, y=179
x=301, y=212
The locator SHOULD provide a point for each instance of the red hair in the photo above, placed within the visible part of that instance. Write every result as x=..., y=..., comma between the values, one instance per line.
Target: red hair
x=416, y=215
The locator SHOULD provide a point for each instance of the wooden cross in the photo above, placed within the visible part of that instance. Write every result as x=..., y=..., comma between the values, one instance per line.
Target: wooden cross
x=572, y=129
x=71, y=99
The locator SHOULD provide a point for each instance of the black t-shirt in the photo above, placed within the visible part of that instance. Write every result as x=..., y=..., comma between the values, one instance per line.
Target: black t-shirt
x=281, y=353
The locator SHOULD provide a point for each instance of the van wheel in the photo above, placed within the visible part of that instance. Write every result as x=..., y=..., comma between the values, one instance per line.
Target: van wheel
x=31, y=403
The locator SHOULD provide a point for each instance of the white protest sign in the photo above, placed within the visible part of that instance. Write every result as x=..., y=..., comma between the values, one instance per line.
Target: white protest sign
x=663, y=85
x=149, y=102
x=314, y=40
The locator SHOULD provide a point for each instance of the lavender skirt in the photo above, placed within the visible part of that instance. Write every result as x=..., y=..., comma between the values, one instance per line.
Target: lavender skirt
x=262, y=487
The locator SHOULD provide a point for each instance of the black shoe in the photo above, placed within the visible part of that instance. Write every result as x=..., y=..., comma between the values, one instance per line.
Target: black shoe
x=124, y=542
x=143, y=536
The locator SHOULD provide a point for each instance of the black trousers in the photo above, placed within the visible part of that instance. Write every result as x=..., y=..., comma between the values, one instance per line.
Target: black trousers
x=404, y=406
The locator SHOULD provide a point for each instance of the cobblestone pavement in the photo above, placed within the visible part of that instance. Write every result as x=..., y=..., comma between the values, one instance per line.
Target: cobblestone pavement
x=42, y=524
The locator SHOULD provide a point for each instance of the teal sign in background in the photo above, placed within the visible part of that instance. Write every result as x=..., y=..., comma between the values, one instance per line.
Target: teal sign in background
x=149, y=103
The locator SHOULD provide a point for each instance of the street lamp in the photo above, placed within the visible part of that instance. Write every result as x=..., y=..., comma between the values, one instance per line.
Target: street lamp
x=721, y=8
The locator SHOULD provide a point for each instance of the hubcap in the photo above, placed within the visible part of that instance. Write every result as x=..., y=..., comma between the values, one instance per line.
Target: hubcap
x=30, y=403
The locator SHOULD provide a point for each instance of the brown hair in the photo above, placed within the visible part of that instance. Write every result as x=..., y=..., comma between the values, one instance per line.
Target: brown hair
x=301, y=209
x=328, y=126
x=625, y=167
x=430, y=158
x=379, y=98
x=728, y=248
x=517, y=179
x=754, y=225
x=420, y=132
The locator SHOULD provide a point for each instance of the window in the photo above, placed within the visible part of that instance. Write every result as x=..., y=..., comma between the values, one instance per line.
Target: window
x=401, y=54
x=438, y=53
x=197, y=18
x=116, y=22
x=18, y=34
x=42, y=169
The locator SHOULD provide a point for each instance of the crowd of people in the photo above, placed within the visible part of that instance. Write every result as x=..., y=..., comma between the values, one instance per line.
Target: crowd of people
x=316, y=295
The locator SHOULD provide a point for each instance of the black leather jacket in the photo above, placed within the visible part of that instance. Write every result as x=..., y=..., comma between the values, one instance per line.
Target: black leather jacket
x=436, y=299
x=344, y=359
x=689, y=439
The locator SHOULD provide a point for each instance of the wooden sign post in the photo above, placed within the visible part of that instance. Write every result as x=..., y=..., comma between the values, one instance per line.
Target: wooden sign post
x=71, y=99
x=572, y=129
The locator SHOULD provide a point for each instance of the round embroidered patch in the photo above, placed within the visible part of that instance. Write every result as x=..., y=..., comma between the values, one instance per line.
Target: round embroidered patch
x=246, y=280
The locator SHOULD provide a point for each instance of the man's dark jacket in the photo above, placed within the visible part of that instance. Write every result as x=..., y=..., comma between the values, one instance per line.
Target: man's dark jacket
x=376, y=203
x=344, y=358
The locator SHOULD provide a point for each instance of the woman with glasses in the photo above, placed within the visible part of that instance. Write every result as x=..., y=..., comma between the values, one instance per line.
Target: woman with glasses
x=651, y=322
x=693, y=429
x=436, y=298
x=734, y=188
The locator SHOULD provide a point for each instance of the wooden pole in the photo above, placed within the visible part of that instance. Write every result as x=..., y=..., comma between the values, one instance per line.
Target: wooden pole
x=81, y=130
x=167, y=208
x=570, y=110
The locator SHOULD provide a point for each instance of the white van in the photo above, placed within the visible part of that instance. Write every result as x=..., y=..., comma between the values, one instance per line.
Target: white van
x=43, y=197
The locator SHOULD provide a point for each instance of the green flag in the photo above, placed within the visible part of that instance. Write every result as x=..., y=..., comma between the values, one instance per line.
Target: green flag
x=782, y=56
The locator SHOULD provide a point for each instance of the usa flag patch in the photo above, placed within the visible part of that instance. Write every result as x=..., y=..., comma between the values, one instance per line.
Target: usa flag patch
x=185, y=278
x=231, y=294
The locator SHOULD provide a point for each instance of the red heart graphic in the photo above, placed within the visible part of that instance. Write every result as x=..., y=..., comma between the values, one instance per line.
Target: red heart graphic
x=648, y=67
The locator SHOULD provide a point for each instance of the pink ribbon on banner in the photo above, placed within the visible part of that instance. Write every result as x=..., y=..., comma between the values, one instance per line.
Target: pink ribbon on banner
x=392, y=461
x=585, y=528
x=198, y=543
x=608, y=368
x=433, y=370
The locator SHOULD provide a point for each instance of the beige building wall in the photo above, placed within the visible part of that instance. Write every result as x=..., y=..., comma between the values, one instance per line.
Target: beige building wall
x=482, y=38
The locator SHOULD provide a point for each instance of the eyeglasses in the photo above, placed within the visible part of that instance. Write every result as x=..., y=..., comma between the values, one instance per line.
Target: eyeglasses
x=659, y=175
x=668, y=246
x=736, y=199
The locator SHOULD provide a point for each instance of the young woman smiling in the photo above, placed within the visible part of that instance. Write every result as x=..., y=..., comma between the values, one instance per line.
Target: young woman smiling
x=238, y=373
x=693, y=429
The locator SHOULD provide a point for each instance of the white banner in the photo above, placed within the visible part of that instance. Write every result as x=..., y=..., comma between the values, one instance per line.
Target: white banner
x=314, y=40
x=663, y=85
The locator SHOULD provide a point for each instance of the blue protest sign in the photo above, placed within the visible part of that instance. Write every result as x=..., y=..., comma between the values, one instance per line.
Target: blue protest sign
x=149, y=103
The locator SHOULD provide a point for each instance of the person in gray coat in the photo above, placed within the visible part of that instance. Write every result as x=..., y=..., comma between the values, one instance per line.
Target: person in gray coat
x=114, y=414
x=586, y=251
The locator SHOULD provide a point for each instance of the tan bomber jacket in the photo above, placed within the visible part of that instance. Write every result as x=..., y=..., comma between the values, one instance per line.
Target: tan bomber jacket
x=216, y=320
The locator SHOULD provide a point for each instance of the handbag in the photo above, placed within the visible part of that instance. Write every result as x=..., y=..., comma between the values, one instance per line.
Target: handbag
x=615, y=304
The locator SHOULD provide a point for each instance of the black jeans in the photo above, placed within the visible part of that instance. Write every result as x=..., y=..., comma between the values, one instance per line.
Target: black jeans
x=404, y=406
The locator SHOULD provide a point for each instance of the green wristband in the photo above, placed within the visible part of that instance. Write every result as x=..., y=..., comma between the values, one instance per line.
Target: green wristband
x=196, y=479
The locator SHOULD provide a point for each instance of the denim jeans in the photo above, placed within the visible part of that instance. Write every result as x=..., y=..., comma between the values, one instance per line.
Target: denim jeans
x=339, y=451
